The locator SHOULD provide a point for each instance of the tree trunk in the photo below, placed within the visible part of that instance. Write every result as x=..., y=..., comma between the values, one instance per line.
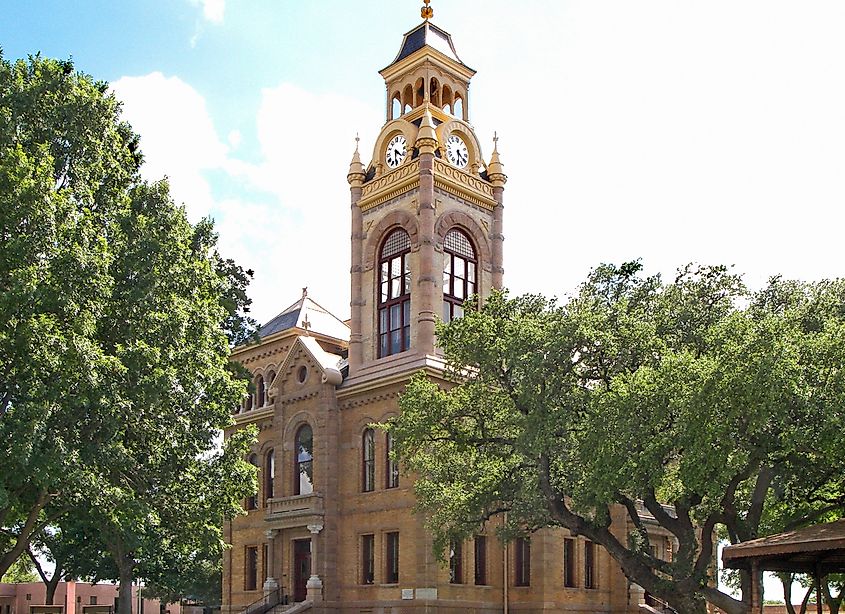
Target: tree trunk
x=833, y=603
x=30, y=526
x=786, y=580
x=124, y=603
x=806, y=600
x=52, y=585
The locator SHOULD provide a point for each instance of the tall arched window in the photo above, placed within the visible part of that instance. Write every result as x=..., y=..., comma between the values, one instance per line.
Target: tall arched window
x=394, y=304
x=252, y=502
x=268, y=383
x=368, y=461
x=392, y=465
x=269, y=474
x=303, y=473
x=459, y=273
x=260, y=395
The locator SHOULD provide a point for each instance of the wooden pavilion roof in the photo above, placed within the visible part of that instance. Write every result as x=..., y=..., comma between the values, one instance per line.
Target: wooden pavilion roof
x=818, y=549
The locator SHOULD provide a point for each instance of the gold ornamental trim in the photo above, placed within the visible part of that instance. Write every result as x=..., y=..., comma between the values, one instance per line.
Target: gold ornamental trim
x=390, y=185
x=471, y=188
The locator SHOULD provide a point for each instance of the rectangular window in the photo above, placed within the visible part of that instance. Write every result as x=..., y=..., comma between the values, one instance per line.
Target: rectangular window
x=392, y=465
x=522, y=546
x=93, y=599
x=368, y=559
x=391, y=568
x=251, y=568
x=590, y=577
x=265, y=557
x=569, y=580
x=456, y=562
x=480, y=560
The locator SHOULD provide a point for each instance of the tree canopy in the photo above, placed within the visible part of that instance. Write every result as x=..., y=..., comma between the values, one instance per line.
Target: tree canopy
x=695, y=401
x=116, y=318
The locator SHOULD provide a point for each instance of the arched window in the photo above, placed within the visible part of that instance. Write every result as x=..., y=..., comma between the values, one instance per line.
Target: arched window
x=446, y=98
x=260, y=395
x=392, y=465
x=252, y=502
x=268, y=383
x=434, y=92
x=459, y=273
x=396, y=106
x=394, y=304
x=407, y=98
x=269, y=474
x=458, y=106
x=368, y=460
x=303, y=473
x=419, y=90
x=248, y=402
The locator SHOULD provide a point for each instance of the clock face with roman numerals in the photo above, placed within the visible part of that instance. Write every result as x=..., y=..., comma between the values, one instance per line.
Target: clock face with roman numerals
x=456, y=151
x=396, y=149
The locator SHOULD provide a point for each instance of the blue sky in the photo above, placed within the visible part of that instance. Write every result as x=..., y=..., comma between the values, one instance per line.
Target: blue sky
x=668, y=130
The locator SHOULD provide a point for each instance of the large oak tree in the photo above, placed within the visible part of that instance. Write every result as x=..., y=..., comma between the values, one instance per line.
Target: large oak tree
x=116, y=318
x=714, y=409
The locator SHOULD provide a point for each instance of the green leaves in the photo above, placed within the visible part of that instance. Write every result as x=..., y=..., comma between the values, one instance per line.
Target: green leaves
x=724, y=405
x=116, y=317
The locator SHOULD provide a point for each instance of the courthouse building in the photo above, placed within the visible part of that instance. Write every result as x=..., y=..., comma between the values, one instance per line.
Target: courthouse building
x=332, y=526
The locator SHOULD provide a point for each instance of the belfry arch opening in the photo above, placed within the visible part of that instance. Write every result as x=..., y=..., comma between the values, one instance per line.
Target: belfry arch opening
x=407, y=98
x=458, y=106
x=434, y=92
x=419, y=92
x=446, y=99
x=395, y=105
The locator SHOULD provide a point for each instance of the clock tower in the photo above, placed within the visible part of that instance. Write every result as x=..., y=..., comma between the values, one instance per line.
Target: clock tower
x=426, y=210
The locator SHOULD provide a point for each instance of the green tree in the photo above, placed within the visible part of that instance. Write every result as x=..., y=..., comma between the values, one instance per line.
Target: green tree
x=65, y=163
x=21, y=570
x=116, y=315
x=634, y=392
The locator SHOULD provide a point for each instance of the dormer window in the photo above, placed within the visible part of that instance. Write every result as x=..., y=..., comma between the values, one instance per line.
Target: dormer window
x=459, y=273
x=394, y=304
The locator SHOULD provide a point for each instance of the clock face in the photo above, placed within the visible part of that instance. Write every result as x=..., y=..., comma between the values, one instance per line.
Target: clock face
x=456, y=151
x=395, y=151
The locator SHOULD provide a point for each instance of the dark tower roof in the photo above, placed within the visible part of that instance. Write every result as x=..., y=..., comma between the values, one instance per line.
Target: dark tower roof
x=427, y=34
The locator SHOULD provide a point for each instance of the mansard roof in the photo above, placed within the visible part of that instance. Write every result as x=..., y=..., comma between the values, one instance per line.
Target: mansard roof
x=307, y=315
x=427, y=34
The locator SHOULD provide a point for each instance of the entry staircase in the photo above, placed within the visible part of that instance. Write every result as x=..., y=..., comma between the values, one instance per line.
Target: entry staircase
x=653, y=605
x=277, y=602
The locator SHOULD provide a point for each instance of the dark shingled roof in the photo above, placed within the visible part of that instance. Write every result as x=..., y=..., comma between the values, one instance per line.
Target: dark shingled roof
x=427, y=34
x=304, y=310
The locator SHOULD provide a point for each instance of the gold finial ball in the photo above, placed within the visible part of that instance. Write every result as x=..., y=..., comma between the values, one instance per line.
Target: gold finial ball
x=427, y=12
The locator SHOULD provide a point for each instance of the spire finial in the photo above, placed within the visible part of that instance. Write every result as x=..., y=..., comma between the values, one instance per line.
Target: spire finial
x=495, y=142
x=427, y=12
x=357, y=139
x=305, y=292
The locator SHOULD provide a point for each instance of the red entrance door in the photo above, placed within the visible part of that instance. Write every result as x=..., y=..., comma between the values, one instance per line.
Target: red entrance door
x=301, y=567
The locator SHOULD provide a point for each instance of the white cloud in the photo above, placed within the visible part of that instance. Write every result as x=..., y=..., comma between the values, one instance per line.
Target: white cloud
x=212, y=10
x=290, y=221
x=234, y=138
x=306, y=142
x=178, y=137
x=669, y=131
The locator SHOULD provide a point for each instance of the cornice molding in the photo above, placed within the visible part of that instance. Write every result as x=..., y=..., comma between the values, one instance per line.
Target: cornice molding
x=388, y=186
x=473, y=189
x=254, y=415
